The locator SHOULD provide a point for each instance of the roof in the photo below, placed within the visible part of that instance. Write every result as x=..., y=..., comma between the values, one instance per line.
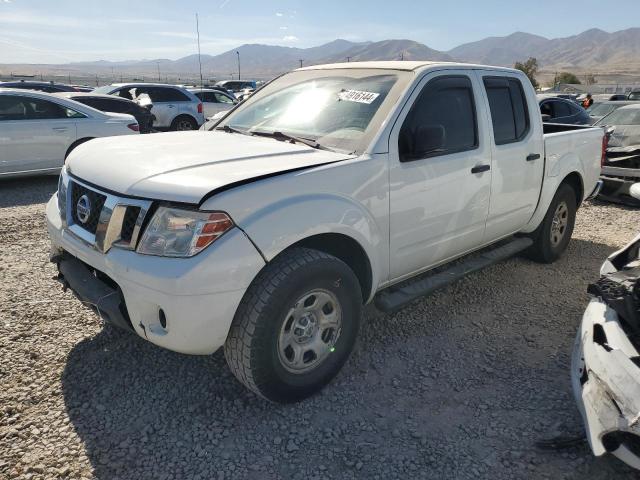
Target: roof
x=402, y=65
x=632, y=106
x=24, y=91
x=87, y=94
x=146, y=84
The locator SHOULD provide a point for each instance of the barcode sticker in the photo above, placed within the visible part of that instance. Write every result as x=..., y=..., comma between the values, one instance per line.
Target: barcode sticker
x=358, y=96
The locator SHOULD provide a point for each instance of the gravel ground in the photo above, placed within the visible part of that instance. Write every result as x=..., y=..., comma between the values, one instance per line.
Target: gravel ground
x=459, y=385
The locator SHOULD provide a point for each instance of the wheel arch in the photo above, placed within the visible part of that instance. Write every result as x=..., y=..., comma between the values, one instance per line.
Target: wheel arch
x=182, y=114
x=574, y=179
x=346, y=249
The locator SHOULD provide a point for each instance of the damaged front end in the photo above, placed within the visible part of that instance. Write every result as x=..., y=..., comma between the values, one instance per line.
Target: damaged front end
x=621, y=167
x=606, y=360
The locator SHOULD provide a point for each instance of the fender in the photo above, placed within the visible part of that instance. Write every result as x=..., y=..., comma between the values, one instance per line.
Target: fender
x=276, y=227
x=557, y=168
x=350, y=198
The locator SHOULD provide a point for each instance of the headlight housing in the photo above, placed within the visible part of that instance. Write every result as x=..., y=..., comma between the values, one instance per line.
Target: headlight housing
x=177, y=232
x=62, y=194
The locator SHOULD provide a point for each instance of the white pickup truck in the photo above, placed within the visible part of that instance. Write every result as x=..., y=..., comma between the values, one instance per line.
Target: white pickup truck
x=330, y=187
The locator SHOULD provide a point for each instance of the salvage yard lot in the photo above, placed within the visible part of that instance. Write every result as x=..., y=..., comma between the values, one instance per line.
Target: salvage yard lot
x=461, y=384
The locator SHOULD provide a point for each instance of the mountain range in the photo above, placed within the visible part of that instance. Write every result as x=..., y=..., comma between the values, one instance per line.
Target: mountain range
x=592, y=50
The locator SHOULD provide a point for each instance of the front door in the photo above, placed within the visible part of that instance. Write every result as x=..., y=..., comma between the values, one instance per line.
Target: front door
x=440, y=177
x=34, y=134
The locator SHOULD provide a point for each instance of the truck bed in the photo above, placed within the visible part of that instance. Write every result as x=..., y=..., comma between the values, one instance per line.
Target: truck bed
x=577, y=144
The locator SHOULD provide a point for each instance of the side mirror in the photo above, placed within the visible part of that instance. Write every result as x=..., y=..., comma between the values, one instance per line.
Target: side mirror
x=428, y=139
x=634, y=191
x=545, y=117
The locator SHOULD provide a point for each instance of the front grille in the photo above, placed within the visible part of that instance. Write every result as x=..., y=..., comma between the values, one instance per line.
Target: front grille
x=111, y=220
x=129, y=223
x=97, y=202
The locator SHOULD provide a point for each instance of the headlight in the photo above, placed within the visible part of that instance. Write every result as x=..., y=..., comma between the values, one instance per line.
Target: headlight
x=62, y=195
x=174, y=232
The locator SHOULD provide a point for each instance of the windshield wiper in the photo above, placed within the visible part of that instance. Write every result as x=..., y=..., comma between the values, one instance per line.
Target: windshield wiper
x=228, y=129
x=292, y=138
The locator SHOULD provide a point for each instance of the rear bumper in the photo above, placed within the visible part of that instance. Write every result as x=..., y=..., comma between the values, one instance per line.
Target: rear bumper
x=198, y=296
x=606, y=384
x=616, y=184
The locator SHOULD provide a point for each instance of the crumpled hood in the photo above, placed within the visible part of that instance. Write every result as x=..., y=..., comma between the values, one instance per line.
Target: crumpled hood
x=186, y=166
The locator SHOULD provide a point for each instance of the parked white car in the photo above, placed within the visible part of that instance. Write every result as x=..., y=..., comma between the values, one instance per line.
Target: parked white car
x=330, y=186
x=605, y=371
x=214, y=101
x=174, y=107
x=38, y=130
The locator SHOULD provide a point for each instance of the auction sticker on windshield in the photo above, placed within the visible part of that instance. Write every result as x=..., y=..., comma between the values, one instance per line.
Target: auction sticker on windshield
x=358, y=96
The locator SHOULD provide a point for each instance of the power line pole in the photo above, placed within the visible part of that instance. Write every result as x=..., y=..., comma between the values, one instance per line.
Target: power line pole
x=238, y=54
x=300, y=63
x=199, y=59
x=402, y=55
x=348, y=59
x=158, y=63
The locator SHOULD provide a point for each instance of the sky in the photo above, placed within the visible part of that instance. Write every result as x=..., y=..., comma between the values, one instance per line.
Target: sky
x=61, y=31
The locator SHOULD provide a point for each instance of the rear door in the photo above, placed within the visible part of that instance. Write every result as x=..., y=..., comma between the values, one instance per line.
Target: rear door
x=34, y=133
x=517, y=146
x=440, y=177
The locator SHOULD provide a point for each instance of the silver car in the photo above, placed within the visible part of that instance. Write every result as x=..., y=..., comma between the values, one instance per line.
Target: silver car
x=214, y=101
x=175, y=108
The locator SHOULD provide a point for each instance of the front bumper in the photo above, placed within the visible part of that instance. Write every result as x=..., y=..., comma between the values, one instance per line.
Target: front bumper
x=198, y=296
x=606, y=384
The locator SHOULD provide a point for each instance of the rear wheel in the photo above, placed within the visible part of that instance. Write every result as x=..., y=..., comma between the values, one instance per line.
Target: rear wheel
x=183, y=122
x=552, y=237
x=295, y=326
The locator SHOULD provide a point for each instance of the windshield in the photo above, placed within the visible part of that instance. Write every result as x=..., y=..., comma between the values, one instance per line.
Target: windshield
x=622, y=116
x=634, y=96
x=338, y=109
x=600, y=109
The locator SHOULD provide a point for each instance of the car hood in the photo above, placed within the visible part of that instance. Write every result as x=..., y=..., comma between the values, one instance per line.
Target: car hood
x=186, y=166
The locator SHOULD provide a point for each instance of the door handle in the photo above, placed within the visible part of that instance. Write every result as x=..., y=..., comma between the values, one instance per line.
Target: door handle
x=60, y=129
x=480, y=168
x=533, y=156
x=169, y=106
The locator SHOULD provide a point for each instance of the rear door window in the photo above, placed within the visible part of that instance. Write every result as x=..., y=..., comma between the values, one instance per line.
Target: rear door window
x=508, y=105
x=221, y=98
x=161, y=94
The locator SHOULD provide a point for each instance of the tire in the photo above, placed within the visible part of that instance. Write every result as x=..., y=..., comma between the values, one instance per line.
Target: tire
x=552, y=237
x=183, y=123
x=272, y=348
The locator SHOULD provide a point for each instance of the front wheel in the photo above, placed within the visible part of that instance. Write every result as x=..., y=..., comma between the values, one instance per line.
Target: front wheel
x=552, y=237
x=296, y=325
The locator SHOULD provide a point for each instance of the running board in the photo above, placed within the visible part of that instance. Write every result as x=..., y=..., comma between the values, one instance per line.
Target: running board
x=394, y=298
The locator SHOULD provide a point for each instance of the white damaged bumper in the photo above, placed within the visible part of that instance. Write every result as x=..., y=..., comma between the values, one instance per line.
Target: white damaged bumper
x=606, y=383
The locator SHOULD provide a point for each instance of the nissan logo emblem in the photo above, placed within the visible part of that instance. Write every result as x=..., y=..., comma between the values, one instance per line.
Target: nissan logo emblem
x=83, y=209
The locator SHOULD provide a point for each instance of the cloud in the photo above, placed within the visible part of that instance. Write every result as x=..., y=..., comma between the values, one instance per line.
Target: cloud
x=290, y=38
x=224, y=3
x=283, y=28
x=279, y=14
